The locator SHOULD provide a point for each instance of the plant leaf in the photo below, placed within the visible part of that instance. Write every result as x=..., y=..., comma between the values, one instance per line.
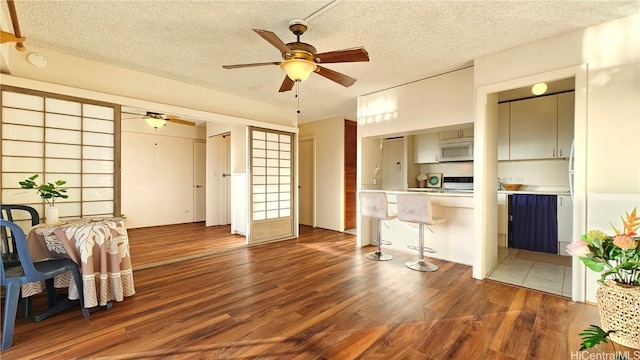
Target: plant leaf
x=593, y=336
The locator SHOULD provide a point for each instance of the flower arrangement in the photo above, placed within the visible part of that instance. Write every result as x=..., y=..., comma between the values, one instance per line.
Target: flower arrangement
x=617, y=256
x=421, y=177
x=49, y=192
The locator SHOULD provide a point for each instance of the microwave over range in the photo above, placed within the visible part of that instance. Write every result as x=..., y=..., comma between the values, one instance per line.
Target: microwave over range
x=455, y=151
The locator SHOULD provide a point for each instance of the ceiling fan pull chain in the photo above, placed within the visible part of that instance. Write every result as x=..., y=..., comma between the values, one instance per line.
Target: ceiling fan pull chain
x=297, y=94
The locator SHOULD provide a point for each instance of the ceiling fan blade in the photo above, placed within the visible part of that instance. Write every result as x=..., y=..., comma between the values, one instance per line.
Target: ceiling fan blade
x=287, y=84
x=347, y=55
x=274, y=40
x=340, y=78
x=9, y=37
x=176, y=120
x=250, y=65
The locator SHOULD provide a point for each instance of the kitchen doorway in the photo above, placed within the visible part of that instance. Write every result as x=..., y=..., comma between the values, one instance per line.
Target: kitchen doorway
x=489, y=256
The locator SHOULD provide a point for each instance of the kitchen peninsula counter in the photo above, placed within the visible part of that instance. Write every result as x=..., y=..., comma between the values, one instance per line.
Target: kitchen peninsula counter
x=453, y=239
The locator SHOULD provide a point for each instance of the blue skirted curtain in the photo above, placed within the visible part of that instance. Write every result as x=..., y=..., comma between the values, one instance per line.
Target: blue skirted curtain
x=534, y=223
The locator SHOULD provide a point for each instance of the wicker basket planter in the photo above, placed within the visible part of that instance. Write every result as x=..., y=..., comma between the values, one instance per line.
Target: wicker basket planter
x=619, y=308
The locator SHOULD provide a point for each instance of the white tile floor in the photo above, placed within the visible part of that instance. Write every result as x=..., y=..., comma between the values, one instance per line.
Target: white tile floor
x=551, y=278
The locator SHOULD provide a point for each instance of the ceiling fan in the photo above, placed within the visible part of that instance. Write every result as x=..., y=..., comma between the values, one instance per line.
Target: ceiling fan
x=158, y=120
x=301, y=59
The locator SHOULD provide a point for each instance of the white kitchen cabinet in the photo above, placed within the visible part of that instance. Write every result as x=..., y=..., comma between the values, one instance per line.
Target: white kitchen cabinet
x=503, y=131
x=566, y=114
x=425, y=148
x=565, y=223
x=539, y=128
x=463, y=133
x=533, y=128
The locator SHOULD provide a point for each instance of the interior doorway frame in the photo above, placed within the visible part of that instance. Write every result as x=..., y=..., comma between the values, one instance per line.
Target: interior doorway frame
x=303, y=178
x=484, y=176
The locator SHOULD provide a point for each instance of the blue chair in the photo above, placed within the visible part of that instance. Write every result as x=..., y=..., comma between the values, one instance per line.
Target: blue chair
x=17, y=213
x=12, y=279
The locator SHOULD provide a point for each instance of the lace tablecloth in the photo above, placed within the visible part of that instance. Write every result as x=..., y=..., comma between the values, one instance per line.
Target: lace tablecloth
x=101, y=249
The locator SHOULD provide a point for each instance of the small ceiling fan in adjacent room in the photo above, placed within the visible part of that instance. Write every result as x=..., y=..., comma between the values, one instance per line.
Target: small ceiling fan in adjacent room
x=301, y=59
x=158, y=120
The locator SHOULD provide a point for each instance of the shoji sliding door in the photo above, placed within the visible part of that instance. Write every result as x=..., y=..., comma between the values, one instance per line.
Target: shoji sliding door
x=59, y=137
x=272, y=206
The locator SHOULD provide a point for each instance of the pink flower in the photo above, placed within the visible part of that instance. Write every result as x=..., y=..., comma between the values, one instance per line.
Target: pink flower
x=578, y=248
x=624, y=242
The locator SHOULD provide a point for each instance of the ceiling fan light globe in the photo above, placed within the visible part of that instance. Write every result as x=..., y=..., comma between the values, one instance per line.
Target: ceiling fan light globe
x=298, y=69
x=155, y=122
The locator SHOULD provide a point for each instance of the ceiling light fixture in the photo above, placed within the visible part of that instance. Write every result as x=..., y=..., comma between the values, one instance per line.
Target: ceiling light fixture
x=539, y=89
x=298, y=69
x=155, y=122
x=36, y=59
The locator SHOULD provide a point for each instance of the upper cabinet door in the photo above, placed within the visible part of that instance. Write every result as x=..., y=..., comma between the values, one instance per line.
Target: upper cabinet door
x=533, y=132
x=463, y=133
x=503, y=131
x=425, y=148
x=566, y=114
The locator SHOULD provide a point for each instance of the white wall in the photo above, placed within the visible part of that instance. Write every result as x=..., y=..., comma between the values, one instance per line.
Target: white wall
x=329, y=183
x=157, y=173
x=607, y=125
x=434, y=102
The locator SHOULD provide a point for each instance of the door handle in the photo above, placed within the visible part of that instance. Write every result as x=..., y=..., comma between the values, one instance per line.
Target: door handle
x=199, y=186
x=225, y=175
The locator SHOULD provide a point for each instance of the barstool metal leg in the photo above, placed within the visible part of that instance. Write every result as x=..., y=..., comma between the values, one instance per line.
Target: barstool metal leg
x=378, y=255
x=421, y=265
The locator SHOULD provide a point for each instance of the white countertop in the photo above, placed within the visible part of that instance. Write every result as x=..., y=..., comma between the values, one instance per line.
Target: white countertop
x=535, y=192
x=439, y=192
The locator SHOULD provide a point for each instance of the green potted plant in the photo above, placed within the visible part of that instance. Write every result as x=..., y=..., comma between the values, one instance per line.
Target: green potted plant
x=49, y=192
x=617, y=258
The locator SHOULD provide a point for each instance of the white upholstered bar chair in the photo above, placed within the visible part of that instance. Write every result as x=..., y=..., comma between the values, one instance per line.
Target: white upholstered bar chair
x=374, y=205
x=416, y=208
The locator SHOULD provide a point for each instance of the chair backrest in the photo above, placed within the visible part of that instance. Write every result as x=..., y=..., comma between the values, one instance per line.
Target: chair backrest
x=373, y=204
x=16, y=214
x=20, y=240
x=415, y=208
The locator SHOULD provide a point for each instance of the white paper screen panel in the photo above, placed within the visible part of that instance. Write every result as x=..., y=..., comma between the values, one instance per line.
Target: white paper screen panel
x=102, y=126
x=22, y=101
x=62, y=136
x=62, y=165
x=63, y=121
x=271, y=175
x=22, y=117
x=22, y=133
x=63, y=151
x=63, y=107
x=96, y=180
x=20, y=164
x=59, y=139
x=96, y=194
x=98, y=139
x=97, y=208
x=95, y=166
x=97, y=153
x=98, y=112
x=22, y=148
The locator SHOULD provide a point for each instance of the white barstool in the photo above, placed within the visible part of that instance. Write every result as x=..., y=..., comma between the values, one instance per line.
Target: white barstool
x=416, y=208
x=374, y=205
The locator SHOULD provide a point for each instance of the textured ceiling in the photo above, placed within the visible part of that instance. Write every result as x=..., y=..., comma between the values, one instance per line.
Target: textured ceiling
x=189, y=41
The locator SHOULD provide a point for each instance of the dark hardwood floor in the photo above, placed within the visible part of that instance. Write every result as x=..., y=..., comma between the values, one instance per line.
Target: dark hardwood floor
x=157, y=245
x=315, y=297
